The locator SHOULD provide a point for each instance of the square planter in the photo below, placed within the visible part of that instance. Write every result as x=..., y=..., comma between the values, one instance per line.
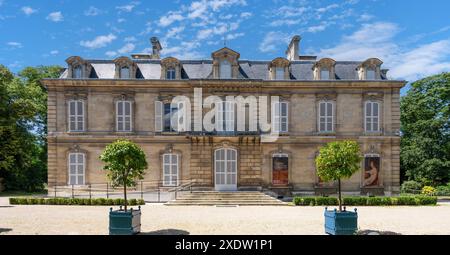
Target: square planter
x=124, y=223
x=341, y=223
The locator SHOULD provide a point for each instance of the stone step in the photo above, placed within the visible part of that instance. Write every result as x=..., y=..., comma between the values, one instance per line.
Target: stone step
x=210, y=198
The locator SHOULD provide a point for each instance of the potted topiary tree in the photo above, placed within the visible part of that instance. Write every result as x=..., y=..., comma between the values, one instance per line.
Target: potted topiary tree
x=336, y=161
x=125, y=163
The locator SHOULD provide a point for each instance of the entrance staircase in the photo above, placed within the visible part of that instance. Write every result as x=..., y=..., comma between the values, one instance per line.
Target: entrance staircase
x=216, y=198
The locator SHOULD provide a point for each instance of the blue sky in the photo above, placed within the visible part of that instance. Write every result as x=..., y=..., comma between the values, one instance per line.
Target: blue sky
x=411, y=37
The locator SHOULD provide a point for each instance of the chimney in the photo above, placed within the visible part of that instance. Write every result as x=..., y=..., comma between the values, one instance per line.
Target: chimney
x=293, y=50
x=156, y=48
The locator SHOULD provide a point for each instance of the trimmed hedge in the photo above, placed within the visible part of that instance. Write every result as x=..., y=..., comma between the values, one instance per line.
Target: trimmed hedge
x=366, y=201
x=73, y=201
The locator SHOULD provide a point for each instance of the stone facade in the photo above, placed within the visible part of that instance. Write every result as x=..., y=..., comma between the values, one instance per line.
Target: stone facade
x=195, y=152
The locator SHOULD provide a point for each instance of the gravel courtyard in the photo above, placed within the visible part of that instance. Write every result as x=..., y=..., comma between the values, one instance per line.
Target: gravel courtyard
x=160, y=219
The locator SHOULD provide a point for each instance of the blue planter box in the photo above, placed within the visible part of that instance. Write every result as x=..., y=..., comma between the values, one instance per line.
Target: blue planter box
x=125, y=223
x=341, y=223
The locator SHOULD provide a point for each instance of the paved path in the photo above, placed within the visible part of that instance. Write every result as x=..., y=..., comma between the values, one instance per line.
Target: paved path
x=160, y=219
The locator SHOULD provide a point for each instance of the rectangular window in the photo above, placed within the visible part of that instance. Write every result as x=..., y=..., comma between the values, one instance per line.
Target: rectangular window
x=279, y=73
x=370, y=74
x=169, y=113
x=123, y=116
x=326, y=117
x=170, y=169
x=225, y=69
x=170, y=74
x=324, y=74
x=76, y=115
x=125, y=73
x=372, y=117
x=225, y=116
x=280, y=117
x=76, y=168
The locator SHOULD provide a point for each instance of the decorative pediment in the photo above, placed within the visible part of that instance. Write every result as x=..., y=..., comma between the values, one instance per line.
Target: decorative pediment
x=325, y=62
x=170, y=62
x=279, y=62
x=225, y=52
x=123, y=61
x=371, y=63
x=75, y=60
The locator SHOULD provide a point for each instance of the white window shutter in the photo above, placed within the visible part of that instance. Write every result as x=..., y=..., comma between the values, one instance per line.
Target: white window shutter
x=275, y=117
x=159, y=116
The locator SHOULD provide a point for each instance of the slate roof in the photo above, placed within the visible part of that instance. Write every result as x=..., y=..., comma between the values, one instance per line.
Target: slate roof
x=202, y=69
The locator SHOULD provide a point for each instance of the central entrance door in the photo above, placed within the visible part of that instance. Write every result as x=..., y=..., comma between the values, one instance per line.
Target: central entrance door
x=225, y=169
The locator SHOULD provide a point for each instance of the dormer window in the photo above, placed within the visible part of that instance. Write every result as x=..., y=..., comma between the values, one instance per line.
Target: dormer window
x=125, y=68
x=78, y=68
x=170, y=69
x=171, y=74
x=324, y=69
x=279, y=73
x=77, y=72
x=324, y=74
x=225, y=69
x=125, y=72
x=370, y=69
x=278, y=69
x=225, y=64
x=370, y=74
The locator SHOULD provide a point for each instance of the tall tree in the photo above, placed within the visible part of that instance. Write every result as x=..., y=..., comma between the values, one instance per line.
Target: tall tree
x=425, y=142
x=23, y=109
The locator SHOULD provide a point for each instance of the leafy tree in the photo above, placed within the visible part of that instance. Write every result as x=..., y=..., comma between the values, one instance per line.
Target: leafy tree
x=125, y=163
x=338, y=160
x=425, y=142
x=23, y=111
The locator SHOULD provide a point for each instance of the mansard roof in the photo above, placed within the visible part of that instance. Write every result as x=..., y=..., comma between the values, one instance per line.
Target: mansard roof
x=248, y=69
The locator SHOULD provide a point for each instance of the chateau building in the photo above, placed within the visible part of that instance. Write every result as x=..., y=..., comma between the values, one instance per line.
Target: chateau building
x=310, y=102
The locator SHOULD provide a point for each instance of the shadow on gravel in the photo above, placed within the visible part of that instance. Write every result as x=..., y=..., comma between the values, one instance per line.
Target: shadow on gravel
x=2, y=230
x=368, y=232
x=6, y=206
x=166, y=232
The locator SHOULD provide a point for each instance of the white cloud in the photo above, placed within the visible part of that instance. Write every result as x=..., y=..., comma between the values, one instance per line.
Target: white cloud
x=234, y=36
x=14, y=45
x=170, y=18
x=54, y=52
x=204, y=33
x=377, y=40
x=110, y=53
x=55, y=16
x=422, y=61
x=28, y=10
x=245, y=15
x=92, y=11
x=99, y=41
x=126, y=48
x=130, y=39
x=127, y=8
x=174, y=32
x=272, y=40
x=187, y=50
x=327, y=8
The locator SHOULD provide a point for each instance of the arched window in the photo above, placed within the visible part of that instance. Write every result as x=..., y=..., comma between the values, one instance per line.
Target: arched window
x=171, y=74
x=125, y=72
x=170, y=169
x=77, y=165
x=77, y=72
x=225, y=69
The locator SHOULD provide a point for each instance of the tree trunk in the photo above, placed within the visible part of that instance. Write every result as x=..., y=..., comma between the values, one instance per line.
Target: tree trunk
x=339, y=192
x=125, y=192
